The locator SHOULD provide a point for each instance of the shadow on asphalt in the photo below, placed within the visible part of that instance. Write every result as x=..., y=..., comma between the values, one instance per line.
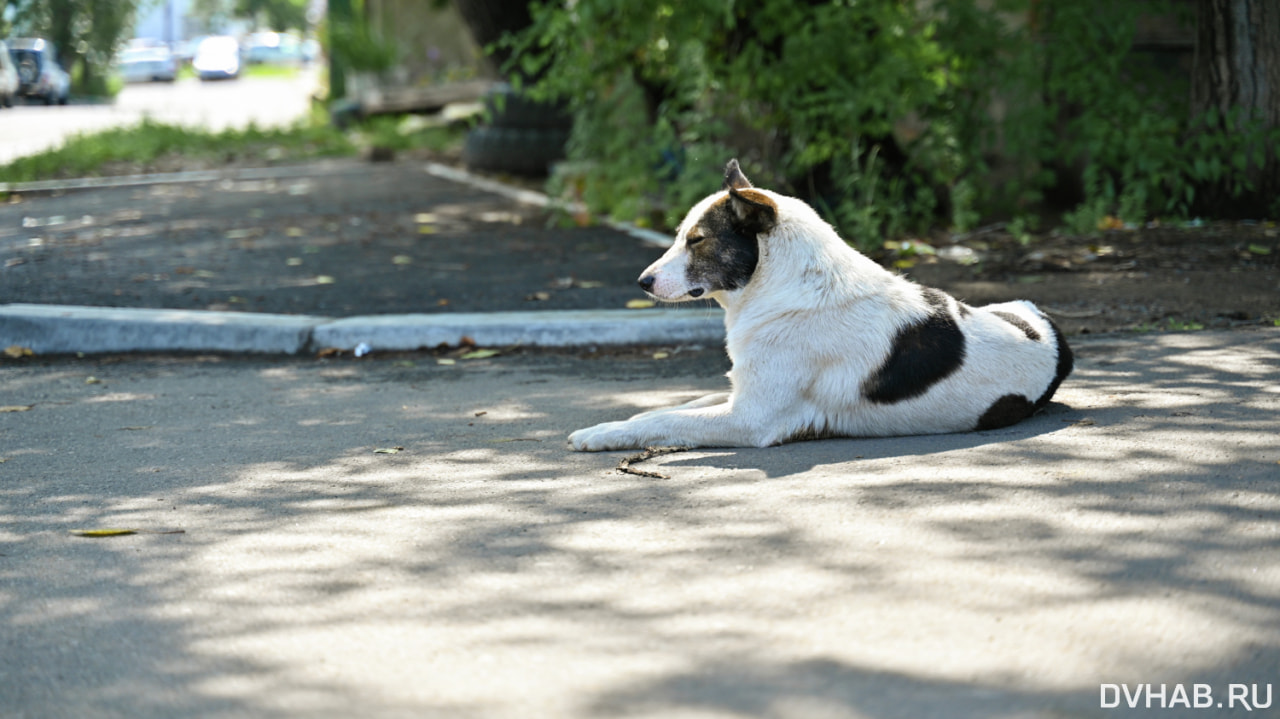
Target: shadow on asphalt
x=1125, y=535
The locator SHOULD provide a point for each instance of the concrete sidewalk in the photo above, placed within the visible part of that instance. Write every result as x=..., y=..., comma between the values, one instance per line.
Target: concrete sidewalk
x=1127, y=536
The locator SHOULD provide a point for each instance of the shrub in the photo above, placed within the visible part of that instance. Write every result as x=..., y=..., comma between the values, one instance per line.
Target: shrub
x=881, y=113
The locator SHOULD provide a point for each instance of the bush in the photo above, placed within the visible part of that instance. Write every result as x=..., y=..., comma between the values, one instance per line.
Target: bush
x=879, y=112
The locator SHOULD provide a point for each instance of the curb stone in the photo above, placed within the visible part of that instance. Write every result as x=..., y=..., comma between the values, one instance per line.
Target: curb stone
x=65, y=329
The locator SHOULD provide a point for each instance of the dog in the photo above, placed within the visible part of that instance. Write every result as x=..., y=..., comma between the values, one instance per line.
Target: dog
x=825, y=343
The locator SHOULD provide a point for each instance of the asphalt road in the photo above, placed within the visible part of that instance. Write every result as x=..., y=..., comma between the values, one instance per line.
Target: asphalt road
x=266, y=102
x=338, y=238
x=1129, y=535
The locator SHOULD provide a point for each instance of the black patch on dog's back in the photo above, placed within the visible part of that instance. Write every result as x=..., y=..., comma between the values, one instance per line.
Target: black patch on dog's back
x=1020, y=323
x=923, y=354
x=1009, y=409
x=1066, y=362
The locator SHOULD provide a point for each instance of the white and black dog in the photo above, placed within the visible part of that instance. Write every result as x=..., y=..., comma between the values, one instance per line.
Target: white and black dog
x=826, y=343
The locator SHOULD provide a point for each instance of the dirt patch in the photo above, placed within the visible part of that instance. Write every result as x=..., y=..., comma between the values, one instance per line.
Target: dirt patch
x=1165, y=278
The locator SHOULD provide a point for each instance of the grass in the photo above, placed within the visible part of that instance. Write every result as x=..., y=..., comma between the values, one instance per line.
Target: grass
x=152, y=146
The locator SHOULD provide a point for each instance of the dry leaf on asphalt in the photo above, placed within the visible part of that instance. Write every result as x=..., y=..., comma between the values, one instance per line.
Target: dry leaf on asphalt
x=480, y=354
x=121, y=532
x=16, y=407
x=388, y=450
x=17, y=351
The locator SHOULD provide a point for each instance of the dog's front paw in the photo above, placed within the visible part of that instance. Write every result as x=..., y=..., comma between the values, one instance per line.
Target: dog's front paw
x=604, y=437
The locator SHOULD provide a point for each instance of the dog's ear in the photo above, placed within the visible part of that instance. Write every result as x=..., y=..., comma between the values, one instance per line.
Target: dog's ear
x=754, y=211
x=733, y=177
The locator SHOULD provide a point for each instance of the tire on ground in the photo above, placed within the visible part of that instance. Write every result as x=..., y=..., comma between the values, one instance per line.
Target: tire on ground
x=520, y=151
x=507, y=109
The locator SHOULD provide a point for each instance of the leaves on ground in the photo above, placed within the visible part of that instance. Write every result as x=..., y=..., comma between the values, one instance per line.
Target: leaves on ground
x=16, y=408
x=388, y=450
x=18, y=352
x=480, y=354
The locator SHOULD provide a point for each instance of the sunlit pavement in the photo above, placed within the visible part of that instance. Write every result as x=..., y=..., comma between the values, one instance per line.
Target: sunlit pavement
x=475, y=567
x=265, y=102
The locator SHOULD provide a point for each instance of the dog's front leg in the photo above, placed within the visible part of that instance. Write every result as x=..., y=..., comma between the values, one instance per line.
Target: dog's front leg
x=715, y=425
x=707, y=401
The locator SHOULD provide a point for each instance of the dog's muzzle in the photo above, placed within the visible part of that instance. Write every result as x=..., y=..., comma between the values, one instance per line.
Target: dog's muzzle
x=647, y=283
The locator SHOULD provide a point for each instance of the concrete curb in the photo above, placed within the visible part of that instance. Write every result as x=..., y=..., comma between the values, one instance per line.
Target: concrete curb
x=64, y=329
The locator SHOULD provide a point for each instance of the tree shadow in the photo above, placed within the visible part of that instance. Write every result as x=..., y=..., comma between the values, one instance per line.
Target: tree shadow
x=486, y=570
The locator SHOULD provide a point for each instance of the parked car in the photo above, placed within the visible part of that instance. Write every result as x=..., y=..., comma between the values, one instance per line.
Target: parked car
x=39, y=74
x=149, y=64
x=8, y=77
x=217, y=58
x=273, y=48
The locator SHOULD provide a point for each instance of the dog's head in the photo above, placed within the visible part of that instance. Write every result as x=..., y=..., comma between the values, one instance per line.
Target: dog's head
x=717, y=245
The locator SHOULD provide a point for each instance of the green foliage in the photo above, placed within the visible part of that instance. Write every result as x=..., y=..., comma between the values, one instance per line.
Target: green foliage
x=360, y=48
x=889, y=116
x=275, y=14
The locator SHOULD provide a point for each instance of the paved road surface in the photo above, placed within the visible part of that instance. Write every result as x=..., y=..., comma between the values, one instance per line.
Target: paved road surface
x=1128, y=535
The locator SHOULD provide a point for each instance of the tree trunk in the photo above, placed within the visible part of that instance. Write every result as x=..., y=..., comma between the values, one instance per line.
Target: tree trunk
x=1237, y=69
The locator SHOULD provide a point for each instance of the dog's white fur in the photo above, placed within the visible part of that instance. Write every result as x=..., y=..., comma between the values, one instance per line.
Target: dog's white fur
x=815, y=321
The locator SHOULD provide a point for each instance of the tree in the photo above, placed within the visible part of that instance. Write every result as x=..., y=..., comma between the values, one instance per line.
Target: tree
x=88, y=33
x=275, y=14
x=1236, y=89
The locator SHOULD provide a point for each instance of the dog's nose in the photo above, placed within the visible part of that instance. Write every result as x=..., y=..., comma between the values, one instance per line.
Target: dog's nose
x=646, y=283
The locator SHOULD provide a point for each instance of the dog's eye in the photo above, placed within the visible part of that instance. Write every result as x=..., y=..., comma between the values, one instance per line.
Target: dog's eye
x=692, y=240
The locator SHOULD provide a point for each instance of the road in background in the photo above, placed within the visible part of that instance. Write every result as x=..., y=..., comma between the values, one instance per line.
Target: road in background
x=267, y=102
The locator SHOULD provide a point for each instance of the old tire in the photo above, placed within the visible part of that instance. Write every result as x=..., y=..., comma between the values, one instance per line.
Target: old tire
x=519, y=151
x=508, y=109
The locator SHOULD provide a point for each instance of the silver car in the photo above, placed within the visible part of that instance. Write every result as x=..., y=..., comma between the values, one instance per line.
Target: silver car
x=148, y=64
x=39, y=74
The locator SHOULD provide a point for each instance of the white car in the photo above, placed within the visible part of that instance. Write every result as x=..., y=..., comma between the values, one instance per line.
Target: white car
x=217, y=58
x=8, y=77
x=39, y=74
